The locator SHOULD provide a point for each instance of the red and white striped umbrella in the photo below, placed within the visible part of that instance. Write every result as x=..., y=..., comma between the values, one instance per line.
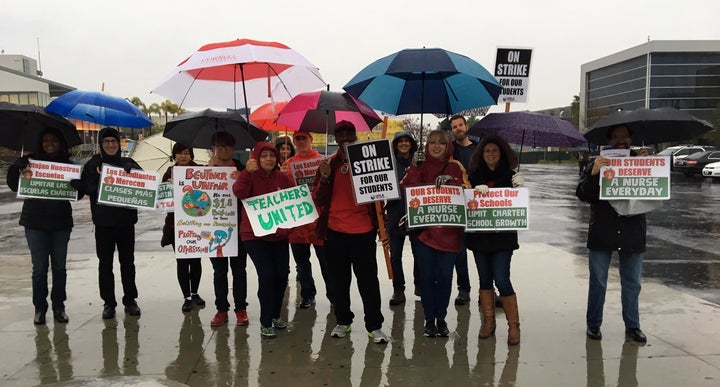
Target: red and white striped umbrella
x=240, y=73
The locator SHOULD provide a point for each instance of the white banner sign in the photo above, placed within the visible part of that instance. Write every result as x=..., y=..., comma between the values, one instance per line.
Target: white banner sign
x=285, y=209
x=499, y=209
x=137, y=189
x=48, y=180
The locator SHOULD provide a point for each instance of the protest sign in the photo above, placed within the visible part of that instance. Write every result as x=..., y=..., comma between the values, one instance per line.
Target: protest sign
x=373, y=171
x=431, y=206
x=137, y=189
x=48, y=180
x=646, y=178
x=512, y=70
x=206, y=212
x=303, y=172
x=499, y=209
x=164, y=201
x=285, y=208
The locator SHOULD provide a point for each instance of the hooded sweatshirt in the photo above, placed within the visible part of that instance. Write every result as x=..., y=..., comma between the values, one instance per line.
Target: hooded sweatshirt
x=396, y=208
x=257, y=183
x=103, y=215
x=443, y=238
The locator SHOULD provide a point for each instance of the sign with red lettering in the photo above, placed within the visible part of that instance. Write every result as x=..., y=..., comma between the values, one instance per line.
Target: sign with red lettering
x=430, y=206
x=499, y=209
x=512, y=70
x=206, y=212
x=48, y=180
x=303, y=171
x=136, y=189
x=646, y=178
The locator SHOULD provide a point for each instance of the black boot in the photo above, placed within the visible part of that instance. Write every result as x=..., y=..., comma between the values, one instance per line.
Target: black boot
x=60, y=315
x=39, y=318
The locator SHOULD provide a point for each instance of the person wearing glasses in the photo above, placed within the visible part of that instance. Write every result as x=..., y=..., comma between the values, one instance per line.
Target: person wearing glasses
x=303, y=237
x=114, y=226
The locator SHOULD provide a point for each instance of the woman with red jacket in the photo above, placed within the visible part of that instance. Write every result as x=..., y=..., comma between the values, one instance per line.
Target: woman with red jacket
x=435, y=247
x=269, y=253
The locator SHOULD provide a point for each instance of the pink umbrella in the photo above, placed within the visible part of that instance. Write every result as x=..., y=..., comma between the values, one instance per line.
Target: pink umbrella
x=240, y=73
x=320, y=110
x=265, y=116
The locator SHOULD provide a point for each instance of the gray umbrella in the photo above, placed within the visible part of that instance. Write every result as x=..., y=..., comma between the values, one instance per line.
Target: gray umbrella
x=649, y=126
x=529, y=128
x=195, y=129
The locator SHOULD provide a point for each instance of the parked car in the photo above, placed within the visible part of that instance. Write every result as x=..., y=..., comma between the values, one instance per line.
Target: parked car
x=695, y=163
x=712, y=170
x=685, y=151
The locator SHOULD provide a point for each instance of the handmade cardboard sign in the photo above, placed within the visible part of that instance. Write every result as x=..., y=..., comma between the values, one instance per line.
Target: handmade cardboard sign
x=285, y=208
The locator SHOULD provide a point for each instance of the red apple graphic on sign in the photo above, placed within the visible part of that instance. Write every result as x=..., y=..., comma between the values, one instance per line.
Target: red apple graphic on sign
x=472, y=205
x=27, y=174
x=187, y=188
x=109, y=180
x=609, y=174
x=415, y=203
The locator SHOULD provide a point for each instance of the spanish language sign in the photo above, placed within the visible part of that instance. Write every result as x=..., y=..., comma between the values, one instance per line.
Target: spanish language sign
x=303, y=172
x=48, y=180
x=512, y=70
x=646, y=178
x=137, y=189
x=164, y=201
x=499, y=209
x=373, y=171
x=285, y=208
x=206, y=212
x=430, y=206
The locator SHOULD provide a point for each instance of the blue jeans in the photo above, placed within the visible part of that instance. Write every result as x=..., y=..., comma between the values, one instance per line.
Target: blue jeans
x=630, y=277
x=48, y=248
x=435, y=269
x=495, y=267
x=272, y=263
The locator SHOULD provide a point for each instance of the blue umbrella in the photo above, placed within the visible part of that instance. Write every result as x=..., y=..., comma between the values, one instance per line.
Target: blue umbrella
x=425, y=80
x=100, y=108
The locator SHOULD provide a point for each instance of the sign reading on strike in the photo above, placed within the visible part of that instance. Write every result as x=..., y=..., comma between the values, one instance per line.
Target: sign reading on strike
x=646, y=178
x=499, y=209
x=512, y=70
x=373, y=171
x=48, y=180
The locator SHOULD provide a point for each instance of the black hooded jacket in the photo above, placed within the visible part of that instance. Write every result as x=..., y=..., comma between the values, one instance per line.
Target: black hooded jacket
x=43, y=214
x=396, y=208
x=102, y=215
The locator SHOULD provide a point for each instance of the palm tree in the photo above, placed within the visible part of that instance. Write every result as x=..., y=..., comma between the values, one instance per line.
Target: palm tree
x=154, y=108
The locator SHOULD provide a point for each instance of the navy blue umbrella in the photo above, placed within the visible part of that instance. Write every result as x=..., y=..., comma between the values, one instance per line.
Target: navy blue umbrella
x=424, y=80
x=100, y=108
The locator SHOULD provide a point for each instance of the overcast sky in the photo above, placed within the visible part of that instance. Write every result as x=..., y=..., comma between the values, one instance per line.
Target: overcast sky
x=131, y=45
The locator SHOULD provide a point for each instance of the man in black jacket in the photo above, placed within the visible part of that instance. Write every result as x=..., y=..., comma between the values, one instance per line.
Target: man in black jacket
x=114, y=226
x=610, y=232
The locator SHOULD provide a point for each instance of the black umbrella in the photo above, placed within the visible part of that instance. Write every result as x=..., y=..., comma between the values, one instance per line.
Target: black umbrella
x=195, y=129
x=649, y=126
x=20, y=126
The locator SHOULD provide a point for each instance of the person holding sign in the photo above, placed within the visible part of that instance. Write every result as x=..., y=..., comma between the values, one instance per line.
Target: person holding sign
x=302, y=237
x=436, y=247
x=48, y=224
x=189, y=270
x=269, y=253
x=349, y=232
x=114, y=226
x=404, y=147
x=491, y=166
x=223, y=145
x=610, y=232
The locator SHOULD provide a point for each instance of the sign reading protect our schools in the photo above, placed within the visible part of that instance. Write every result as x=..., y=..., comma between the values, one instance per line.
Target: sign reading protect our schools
x=48, y=180
x=164, y=201
x=512, y=70
x=646, y=178
x=499, y=209
x=303, y=172
x=373, y=171
x=285, y=209
x=206, y=212
x=137, y=189
x=430, y=206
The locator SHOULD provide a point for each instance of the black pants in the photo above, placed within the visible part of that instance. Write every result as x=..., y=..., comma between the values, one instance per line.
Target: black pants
x=239, y=283
x=189, y=271
x=301, y=254
x=106, y=239
x=348, y=254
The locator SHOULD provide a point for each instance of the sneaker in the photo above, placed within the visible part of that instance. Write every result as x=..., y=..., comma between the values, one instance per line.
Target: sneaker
x=267, y=332
x=242, y=318
x=132, y=309
x=378, y=337
x=306, y=303
x=442, y=329
x=219, y=319
x=187, y=305
x=462, y=298
x=198, y=300
x=430, y=329
x=279, y=323
x=340, y=331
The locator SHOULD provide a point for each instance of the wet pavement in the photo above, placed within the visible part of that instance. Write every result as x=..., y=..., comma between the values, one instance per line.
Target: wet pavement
x=679, y=313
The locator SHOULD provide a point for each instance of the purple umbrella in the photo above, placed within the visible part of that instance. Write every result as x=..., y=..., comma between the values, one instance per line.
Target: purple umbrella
x=530, y=128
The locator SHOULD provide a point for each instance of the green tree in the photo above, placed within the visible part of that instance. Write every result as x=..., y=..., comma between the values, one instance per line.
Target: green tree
x=575, y=111
x=154, y=109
